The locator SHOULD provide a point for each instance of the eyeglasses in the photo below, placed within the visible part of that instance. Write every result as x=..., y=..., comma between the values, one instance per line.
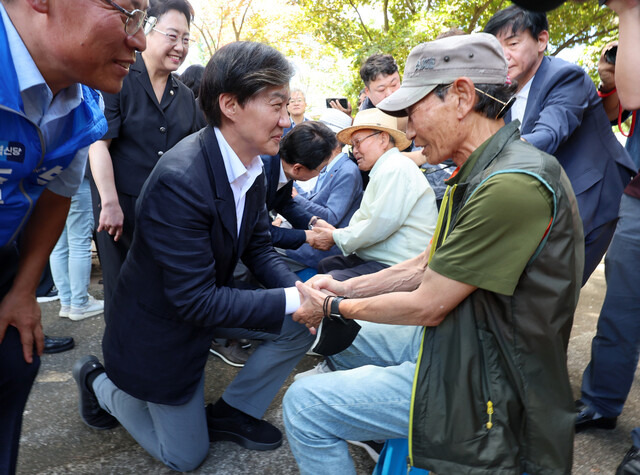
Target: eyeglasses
x=356, y=143
x=173, y=38
x=135, y=20
x=505, y=105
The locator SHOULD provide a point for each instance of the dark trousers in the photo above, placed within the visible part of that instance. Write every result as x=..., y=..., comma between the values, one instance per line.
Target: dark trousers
x=113, y=253
x=616, y=347
x=16, y=375
x=345, y=267
x=596, y=244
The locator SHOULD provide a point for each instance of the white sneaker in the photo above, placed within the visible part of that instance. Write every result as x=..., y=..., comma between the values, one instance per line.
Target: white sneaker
x=320, y=368
x=64, y=310
x=91, y=308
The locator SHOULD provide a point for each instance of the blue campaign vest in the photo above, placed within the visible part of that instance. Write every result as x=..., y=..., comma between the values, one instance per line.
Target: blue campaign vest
x=26, y=167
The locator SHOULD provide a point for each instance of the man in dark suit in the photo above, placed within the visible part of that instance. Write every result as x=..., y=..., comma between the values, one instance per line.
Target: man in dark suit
x=303, y=154
x=561, y=114
x=202, y=209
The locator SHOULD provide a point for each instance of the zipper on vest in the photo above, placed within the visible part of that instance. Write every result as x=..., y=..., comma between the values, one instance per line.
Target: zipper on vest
x=490, y=412
x=485, y=386
x=413, y=401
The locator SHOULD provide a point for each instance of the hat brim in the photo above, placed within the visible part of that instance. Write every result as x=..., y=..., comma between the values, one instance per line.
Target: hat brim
x=540, y=5
x=396, y=104
x=400, y=139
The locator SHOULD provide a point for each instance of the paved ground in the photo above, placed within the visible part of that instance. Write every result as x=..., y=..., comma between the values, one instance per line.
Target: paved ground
x=55, y=441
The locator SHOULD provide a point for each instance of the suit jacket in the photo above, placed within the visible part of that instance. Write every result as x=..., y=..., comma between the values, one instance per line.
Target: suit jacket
x=176, y=285
x=565, y=118
x=282, y=202
x=335, y=201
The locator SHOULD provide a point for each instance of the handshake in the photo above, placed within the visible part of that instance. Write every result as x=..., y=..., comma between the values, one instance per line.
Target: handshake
x=320, y=234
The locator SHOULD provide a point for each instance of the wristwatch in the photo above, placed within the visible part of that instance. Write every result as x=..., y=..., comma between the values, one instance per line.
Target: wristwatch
x=335, y=314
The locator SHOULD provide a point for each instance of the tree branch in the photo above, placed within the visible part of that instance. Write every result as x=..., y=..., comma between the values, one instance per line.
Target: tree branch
x=480, y=9
x=361, y=21
x=575, y=39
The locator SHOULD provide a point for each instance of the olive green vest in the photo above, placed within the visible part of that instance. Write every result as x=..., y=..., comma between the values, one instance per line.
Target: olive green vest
x=491, y=392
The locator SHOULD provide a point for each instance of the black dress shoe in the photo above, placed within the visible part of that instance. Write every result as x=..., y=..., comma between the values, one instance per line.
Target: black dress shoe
x=228, y=423
x=84, y=372
x=630, y=463
x=58, y=345
x=588, y=418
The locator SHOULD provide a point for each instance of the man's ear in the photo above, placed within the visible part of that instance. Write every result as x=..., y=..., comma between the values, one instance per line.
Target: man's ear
x=41, y=6
x=228, y=105
x=543, y=41
x=465, y=92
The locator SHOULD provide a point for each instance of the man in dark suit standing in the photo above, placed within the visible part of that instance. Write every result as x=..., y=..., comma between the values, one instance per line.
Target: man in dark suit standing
x=202, y=209
x=561, y=114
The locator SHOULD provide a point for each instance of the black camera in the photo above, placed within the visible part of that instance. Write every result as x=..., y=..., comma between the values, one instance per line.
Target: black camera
x=610, y=55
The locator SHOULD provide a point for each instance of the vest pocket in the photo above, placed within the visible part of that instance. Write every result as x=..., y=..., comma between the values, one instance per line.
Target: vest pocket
x=465, y=408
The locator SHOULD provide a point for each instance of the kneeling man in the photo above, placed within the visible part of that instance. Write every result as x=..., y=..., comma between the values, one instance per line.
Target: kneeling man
x=200, y=210
x=479, y=384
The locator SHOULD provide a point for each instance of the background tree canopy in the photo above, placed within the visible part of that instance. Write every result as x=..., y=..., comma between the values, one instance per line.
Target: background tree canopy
x=331, y=38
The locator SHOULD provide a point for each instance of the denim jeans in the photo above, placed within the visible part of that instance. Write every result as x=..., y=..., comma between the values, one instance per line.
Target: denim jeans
x=614, y=350
x=367, y=398
x=71, y=257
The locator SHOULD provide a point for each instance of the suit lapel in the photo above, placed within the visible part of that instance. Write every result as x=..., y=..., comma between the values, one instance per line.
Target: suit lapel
x=221, y=189
x=532, y=111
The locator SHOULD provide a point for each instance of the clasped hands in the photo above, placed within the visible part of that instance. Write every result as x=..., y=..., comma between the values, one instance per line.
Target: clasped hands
x=321, y=235
x=312, y=295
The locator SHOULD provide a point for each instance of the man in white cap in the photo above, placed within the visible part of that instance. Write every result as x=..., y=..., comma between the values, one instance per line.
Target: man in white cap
x=479, y=384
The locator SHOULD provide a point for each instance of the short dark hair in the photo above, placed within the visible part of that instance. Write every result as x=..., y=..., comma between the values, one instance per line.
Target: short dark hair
x=491, y=98
x=517, y=19
x=157, y=8
x=243, y=69
x=309, y=144
x=192, y=76
x=377, y=64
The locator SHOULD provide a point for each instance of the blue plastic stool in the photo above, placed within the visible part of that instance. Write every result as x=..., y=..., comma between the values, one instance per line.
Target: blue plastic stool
x=393, y=459
x=307, y=273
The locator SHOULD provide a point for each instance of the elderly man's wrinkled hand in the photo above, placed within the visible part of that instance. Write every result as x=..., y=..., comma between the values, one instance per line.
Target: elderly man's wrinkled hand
x=327, y=284
x=310, y=311
x=323, y=238
x=321, y=223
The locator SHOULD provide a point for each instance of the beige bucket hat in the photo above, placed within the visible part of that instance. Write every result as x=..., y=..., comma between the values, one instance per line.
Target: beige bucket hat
x=375, y=119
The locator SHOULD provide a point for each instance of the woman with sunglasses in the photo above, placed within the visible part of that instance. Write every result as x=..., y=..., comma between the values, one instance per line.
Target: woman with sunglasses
x=152, y=113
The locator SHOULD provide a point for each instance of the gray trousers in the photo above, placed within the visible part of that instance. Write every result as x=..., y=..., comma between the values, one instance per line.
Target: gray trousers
x=175, y=435
x=267, y=369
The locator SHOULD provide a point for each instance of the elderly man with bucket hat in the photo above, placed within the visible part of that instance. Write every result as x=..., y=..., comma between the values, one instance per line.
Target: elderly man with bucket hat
x=398, y=213
x=479, y=384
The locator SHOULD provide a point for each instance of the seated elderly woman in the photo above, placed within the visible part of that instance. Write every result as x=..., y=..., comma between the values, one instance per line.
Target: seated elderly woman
x=398, y=210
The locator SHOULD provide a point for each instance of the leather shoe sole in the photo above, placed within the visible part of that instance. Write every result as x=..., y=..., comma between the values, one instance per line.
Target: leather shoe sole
x=57, y=345
x=586, y=419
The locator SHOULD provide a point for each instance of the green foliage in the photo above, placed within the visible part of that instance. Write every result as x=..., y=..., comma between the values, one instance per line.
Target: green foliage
x=359, y=28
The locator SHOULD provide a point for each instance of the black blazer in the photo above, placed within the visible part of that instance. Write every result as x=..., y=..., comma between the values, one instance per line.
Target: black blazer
x=175, y=287
x=282, y=202
x=142, y=129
